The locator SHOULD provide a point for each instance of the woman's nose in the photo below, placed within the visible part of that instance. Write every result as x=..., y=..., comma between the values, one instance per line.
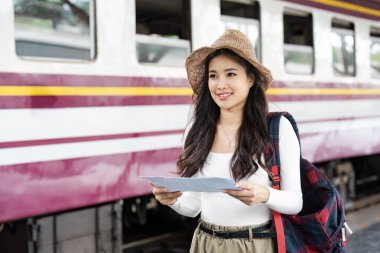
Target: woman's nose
x=222, y=83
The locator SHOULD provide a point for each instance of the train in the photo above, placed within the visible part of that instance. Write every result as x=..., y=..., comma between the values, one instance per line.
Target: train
x=94, y=95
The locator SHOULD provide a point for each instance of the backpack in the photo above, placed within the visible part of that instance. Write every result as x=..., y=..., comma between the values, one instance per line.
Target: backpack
x=320, y=226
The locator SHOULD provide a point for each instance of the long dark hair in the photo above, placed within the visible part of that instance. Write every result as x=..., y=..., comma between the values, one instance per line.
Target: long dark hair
x=253, y=135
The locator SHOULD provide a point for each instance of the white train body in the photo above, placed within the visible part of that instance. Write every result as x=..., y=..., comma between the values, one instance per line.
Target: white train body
x=76, y=133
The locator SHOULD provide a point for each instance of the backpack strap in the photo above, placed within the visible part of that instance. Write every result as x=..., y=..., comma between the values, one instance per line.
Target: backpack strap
x=273, y=169
x=274, y=136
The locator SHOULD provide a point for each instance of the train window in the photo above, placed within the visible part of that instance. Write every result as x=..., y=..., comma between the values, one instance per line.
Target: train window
x=375, y=52
x=59, y=29
x=343, y=48
x=163, y=32
x=298, y=42
x=243, y=15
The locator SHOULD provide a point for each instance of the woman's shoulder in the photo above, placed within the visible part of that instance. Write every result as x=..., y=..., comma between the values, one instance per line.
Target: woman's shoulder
x=285, y=123
x=286, y=127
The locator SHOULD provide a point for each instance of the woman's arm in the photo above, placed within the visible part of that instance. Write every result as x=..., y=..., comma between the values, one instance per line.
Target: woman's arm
x=189, y=204
x=185, y=203
x=288, y=200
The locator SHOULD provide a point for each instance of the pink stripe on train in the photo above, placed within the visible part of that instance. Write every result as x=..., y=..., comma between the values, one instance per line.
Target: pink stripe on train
x=39, y=188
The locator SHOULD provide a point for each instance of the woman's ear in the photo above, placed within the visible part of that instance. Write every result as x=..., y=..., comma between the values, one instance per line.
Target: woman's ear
x=252, y=79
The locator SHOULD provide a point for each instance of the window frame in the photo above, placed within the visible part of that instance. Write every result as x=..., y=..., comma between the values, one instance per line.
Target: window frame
x=161, y=40
x=344, y=31
x=247, y=21
x=374, y=36
x=305, y=14
x=92, y=37
x=239, y=20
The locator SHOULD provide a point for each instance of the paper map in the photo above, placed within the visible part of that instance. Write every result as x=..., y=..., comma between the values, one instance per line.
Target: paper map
x=203, y=184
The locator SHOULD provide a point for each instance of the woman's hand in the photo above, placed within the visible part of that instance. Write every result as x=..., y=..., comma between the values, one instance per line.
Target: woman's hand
x=165, y=197
x=250, y=193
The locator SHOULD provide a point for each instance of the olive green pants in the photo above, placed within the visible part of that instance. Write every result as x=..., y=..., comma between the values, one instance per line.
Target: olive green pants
x=204, y=242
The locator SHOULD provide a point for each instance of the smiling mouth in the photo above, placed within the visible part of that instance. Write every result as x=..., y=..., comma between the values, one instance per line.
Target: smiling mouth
x=224, y=95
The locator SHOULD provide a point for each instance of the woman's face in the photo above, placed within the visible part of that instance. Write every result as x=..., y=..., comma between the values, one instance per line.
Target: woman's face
x=229, y=83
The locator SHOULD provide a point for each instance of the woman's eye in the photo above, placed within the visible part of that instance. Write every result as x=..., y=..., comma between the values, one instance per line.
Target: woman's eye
x=231, y=74
x=212, y=76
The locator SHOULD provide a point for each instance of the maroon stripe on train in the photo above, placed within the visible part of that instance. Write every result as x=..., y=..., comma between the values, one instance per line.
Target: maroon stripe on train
x=337, y=119
x=17, y=102
x=362, y=3
x=39, y=188
x=15, y=144
x=30, y=79
x=323, y=85
x=300, y=98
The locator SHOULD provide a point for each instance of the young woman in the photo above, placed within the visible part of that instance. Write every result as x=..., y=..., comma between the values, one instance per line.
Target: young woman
x=227, y=138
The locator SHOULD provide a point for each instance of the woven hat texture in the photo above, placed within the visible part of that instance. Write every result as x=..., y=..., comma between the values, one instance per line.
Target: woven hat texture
x=233, y=40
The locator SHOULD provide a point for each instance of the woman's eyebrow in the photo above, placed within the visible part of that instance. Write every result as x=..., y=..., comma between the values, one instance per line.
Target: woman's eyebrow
x=229, y=69
x=226, y=70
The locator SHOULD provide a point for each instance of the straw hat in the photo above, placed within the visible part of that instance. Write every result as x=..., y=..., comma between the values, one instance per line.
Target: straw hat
x=233, y=40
